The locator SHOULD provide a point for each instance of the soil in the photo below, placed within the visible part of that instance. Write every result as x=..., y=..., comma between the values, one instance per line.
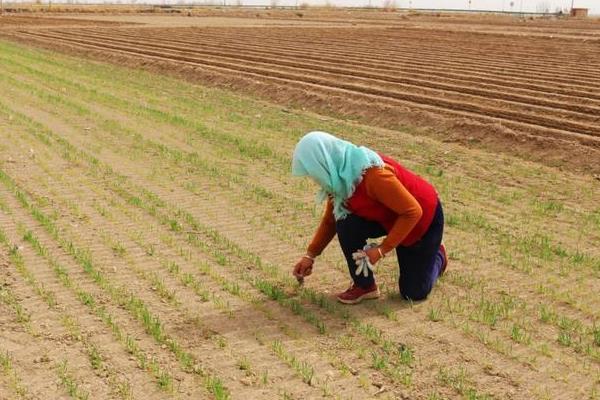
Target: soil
x=526, y=87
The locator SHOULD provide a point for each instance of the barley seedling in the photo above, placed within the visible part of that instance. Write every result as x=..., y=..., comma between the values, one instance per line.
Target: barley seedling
x=215, y=386
x=130, y=344
x=70, y=383
x=95, y=358
x=264, y=377
x=452, y=220
x=379, y=361
x=150, y=250
x=577, y=257
x=122, y=388
x=547, y=315
x=233, y=288
x=548, y=207
x=361, y=353
x=458, y=381
x=326, y=390
x=304, y=369
x=272, y=291
x=158, y=284
x=564, y=338
x=388, y=311
x=14, y=380
x=344, y=369
x=435, y=396
x=175, y=226
x=387, y=347
x=187, y=279
x=173, y=267
x=364, y=381
x=277, y=294
x=5, y=362
x=19, y=263
x=406, y=355
x=221, y=259
x=545, y=350
x=165, y=381
x=87, y=299
x=519, y=335
x=596, y=334
x=7, y=297
x=402, y=375
x=434, y=171
x=4, y=208
x=371, y=333
x=244, y=364
x=101, y=210
x=568, y=324
x=277, y=347
x=221, y=341
x=322, y=301
x=435, y=314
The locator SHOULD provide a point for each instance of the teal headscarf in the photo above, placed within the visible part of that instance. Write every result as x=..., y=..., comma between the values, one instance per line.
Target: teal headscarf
x=337, y=165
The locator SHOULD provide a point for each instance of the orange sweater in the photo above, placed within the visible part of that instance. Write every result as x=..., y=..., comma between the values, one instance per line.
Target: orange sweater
x=383, y=186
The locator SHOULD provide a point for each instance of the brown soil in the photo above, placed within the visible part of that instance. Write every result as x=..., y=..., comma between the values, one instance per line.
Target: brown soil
x=460, y=79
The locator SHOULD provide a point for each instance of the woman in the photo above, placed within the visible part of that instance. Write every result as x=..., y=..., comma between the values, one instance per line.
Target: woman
x=368, y=196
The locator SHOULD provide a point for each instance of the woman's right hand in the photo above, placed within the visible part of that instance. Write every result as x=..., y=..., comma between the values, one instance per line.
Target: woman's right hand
x=303, y=267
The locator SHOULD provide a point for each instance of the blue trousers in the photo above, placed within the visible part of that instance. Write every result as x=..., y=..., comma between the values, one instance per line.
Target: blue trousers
x=420, y=264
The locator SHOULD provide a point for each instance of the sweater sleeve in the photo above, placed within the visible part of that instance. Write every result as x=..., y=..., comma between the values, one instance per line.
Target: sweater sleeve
x=383, y=186
x=325, y=232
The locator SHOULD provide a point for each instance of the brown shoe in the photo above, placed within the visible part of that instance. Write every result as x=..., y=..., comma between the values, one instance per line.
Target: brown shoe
x=355, y=294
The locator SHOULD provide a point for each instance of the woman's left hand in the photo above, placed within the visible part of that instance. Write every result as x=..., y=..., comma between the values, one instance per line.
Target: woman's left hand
x=373, y=254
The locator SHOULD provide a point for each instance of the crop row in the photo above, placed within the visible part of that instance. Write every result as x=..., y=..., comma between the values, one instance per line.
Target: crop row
x=137, y=202
x=119, y=294
x=262, y=285
x=367, y=331
x=170, y=154
x=241, y=144
x=193, y=159
x=118, y=386
x=351, y=65
x=433, y=100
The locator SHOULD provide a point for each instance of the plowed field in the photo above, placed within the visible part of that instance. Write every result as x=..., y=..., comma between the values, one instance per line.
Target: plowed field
x=149, y=224
x=538, y=92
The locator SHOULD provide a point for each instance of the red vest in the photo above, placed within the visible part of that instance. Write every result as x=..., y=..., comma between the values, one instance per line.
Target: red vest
x=364, y=206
